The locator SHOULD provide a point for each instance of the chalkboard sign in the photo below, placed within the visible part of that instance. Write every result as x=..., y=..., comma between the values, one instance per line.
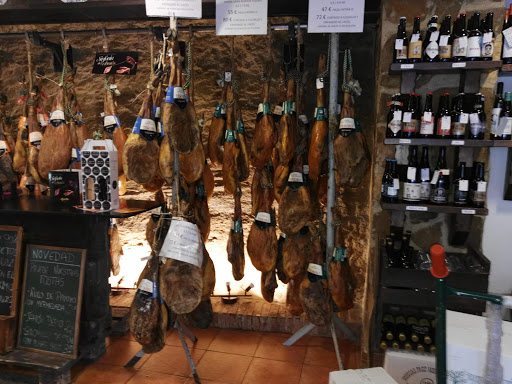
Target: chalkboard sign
x=52, y=298
x=10, y=251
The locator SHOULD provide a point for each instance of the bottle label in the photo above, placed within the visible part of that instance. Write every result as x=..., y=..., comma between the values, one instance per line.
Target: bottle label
x=439, y=195
x=478, y=196
x=427, y=124
x=458, y=129
x=411, y=173
x=481, y=186
x=401, y=54
x=411, y=126
x=460, y=45
x=443, y=41
x=445, y=51
x=507, y=50
x=412, y=191
x=487, y=45
x=432, y=49
x=444, y=125
x=477, y=128
x=460, y=196
x=495, y=119
x=415, y=49
x=425, y=174
x=425, y=191
x=464, y=118
x=507, y=130
x=474, y=47
x=396, y=124
x=392, y=192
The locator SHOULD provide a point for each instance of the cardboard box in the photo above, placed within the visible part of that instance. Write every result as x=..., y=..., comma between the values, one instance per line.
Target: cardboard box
x=66, y=186
x=409, y=367
x=100, y=175
x=361, y=376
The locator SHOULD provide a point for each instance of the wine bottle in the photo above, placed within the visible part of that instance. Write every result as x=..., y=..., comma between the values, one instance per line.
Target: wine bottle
x=410, y=118
x=393, y=183
x=401, y=43
x=425, y=330
x=427, y=119
x=384, y=187
x=474, y=38
x=460, y=41
x=430, y=45
x=425, y=176
x=412, y=323
x=459, y=117
x=395, y=345
x=488, y=37
x=407, y=346
x=415, y=42
x=478, y=188
x=445, y=40
x=412, y=184
x=461, y=186
x=443, y=117
x=401, y=327
x=477, y=119
x=498, y=106
x=394, y=126
x=420, y=348
x=388, y=326
x=504, y=129
x=506, y=48
x=406, y=251
x=440, y=183
x=383, y=345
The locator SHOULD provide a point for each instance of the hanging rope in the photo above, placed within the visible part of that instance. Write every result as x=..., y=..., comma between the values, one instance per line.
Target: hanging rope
x=189, y=61
x=29, y=60
x=349, y=84
x=325, y=74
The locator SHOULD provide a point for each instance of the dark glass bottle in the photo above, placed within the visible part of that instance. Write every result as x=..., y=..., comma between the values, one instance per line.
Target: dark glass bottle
x=384, y=187
x=412, y=184
x=488, y=37
x=461, y=186
x=477, y=119
x=474, y=37
x=410, y=118
x=388, y=327
x=443, y=118
x=445, y=40
x=424, y=331
x=430, y=45
x=394, y=126
x=460, y=40
x=401, y=328
x=427, y=119
x=478, y=187
x=425, y=176
x=459, y=117
x=401, y=43
x=393, y=183
x=504, y=128
x=440, y=183
x=498, y=106
x=506, y=48
x=415, y=42
x=412, y=323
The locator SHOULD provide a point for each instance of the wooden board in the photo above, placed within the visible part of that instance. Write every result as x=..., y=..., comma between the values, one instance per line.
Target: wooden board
x=10, y=258
x=52, y=300
x=445, y=67
x=435, y=208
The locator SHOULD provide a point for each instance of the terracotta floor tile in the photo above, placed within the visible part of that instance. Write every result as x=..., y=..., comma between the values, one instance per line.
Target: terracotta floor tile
x=322, y=356
x=303, y=341
x=144, y=377
x=121, y=351
x=271, y=347
x=263, y=371
x=204, y=338
x=313, y=374
x=104, y=373
x=223, y=367
x=192, y=381
x=172, y=360
x=236, y=342
x=319, y=341
x=322, y=353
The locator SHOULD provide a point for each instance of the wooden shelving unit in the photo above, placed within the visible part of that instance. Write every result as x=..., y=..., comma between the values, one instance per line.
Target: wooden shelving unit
x=447, y=67
x=450, y=142
x=435, y=208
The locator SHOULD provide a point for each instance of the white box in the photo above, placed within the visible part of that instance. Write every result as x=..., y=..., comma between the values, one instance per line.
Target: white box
x=361, y=376
x=100, y=175
x=409, y=367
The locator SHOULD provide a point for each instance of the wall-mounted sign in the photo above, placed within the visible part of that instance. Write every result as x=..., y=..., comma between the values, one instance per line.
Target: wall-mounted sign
x=188, y=9
x=10, y=254
x=241, y=17
x=335, y=16
x=116, y=63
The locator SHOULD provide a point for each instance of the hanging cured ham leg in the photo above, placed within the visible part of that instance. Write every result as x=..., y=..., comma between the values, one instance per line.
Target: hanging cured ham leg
x=217, y=131
x=296, y=250
x=263, y=140
x=287, y=134
x=21, y=146
x=235, y=245
x=8, y=179
x=34, y=144
x=243, y=158
x=231, y=151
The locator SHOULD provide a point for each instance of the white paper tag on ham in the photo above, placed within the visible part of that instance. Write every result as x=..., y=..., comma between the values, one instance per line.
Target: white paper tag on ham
x=319, y=83
x=179, y=93
x=3, y=145
x=264, y=217
x=183, y=242
x=278, y=110
x=295, y=177
x=315, y=269
x=109, y=120
x=57, y=115
x=304, y=119
x=35, y=138
x=148, y=125
x=146, y=286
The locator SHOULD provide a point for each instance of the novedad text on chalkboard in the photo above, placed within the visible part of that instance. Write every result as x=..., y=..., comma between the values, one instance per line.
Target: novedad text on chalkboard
x=116, y=63
x=10, y=255
x=52, y=299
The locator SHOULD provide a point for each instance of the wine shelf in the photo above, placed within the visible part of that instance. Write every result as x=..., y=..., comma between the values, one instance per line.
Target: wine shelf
x=506, y=68
x=446, y=67
x=435, y=208
x=450, y=142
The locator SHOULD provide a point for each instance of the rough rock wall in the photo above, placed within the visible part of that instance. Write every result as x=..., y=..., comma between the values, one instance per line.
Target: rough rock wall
x=427, y=228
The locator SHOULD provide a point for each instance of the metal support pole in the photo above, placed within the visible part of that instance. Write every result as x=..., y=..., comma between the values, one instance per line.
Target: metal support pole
x=441, y=331
x=178, y=326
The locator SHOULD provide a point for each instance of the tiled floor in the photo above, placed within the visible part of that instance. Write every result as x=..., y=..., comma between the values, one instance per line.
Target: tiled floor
x=222, y=356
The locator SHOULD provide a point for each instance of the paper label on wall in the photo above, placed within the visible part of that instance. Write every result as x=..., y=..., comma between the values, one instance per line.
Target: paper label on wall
x=241, y=17
x=326, y=16
x=183, y=242
x=188, y=9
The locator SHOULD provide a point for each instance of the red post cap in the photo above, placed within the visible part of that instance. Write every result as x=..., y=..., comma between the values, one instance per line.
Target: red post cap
x=439, y=268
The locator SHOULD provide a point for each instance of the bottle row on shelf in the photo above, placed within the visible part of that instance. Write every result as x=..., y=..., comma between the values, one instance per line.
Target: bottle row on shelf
x=474, y=41
x=465, y=119
x=400, y=254
x=408, y=332
x=416, y=183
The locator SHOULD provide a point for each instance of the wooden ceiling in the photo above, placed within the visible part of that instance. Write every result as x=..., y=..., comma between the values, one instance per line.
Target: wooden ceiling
x=55, y=11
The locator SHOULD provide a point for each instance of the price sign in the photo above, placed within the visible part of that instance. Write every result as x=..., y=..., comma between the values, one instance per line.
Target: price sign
x=241, y=17
x=189, y=9
x=336, y=16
